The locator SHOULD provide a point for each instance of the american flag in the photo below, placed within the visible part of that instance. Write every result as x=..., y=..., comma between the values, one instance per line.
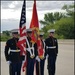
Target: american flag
x=22, y=29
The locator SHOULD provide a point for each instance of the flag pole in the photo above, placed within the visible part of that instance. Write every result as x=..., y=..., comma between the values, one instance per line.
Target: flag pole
x=37, y=39
x=34, y=25
x=22, y=41
x=39, y=68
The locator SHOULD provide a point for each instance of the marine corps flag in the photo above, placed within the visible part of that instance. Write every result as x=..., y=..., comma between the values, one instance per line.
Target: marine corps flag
x=34, y=23
x=35, y=30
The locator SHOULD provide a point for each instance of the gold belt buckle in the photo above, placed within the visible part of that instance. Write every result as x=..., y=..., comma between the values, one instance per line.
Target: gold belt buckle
x=17, y=50
x=41, y=57
x=32, y=56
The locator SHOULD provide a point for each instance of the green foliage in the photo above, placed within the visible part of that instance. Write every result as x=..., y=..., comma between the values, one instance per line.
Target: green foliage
x=65, y=7
x=6, y=33
x=63, y=24
x=51, y=18
x=65, y=28
x=48, y=19
x=46, y=28
x=58, y=16
x=4, y=37
x=69, y=9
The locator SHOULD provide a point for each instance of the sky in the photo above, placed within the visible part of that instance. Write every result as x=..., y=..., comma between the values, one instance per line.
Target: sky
x=11, y=12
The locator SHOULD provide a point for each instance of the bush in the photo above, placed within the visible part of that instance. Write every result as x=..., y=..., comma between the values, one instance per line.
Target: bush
x=65, y=28
x=4, y=38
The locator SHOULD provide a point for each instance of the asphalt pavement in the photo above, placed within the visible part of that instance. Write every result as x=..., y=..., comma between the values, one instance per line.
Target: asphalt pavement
x=64, y=62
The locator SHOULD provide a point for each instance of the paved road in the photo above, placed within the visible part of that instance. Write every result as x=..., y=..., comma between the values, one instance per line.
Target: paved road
x=64, y=63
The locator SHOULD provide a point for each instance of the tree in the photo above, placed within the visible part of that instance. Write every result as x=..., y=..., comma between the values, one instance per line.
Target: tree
x=70, y=10
x=65, y=28
x=58, y=16
x=63, y=24
x=6, y=33
x=48, y=19
x=51, y=18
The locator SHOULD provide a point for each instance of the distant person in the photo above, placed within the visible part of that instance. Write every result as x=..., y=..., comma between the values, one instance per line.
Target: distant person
x=52, y=51
x=12, y=55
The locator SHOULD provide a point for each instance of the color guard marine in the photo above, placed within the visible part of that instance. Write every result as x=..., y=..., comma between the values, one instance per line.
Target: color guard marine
x=41, y=62
x=52, y=51
x=31, y=52
x=12, y=55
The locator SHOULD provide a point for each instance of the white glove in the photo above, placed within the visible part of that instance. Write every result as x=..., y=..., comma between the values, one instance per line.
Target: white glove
x=8, y=62
x=38, y=59
x=47, y=56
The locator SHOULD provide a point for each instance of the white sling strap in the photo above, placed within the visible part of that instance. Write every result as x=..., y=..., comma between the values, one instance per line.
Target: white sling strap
x=43, y=48
x=29, y=48
x=44, y=44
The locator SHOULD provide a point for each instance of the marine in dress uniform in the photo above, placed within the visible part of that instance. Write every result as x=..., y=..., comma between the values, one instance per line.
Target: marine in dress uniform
x=40, y=67
x=31, y=51
x=12, y=55
x=52, y=51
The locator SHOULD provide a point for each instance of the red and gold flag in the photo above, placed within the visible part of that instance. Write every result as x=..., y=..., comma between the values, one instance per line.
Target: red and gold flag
x=34, y=25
